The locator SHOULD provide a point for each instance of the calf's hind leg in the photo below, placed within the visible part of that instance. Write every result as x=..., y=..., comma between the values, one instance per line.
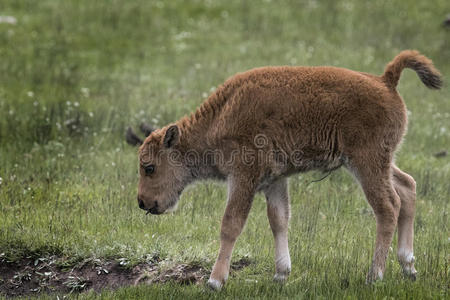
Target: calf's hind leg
x=405, y=186
x=374, y=176
x=278, y=213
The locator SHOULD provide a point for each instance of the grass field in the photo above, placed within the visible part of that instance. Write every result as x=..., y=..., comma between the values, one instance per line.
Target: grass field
x=75, y=74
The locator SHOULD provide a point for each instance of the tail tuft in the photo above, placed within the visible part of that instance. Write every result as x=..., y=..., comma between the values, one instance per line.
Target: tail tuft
x=411, y=59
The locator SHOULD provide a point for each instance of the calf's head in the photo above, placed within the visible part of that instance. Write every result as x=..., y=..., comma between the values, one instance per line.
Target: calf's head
x=163, y=175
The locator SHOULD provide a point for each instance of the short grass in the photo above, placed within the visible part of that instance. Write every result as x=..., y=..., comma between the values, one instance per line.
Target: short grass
x=75, y=74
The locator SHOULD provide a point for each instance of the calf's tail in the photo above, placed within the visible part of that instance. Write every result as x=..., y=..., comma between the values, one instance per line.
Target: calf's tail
x=412, y=59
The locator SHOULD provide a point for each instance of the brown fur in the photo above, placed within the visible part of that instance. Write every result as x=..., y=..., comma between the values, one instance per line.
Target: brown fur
x=292, y=119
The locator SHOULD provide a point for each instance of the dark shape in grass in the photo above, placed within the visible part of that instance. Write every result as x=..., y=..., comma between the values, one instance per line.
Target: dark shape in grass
x=146, y=129
x=440, y=154
x=73, y=125
x=344, y=283
x=446, y=22
x=132, y=138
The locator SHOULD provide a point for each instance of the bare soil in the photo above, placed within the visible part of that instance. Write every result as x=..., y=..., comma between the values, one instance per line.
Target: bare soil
x=54, y=275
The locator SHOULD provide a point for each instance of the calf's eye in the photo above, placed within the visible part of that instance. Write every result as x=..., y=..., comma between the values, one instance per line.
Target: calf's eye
x=149, y=170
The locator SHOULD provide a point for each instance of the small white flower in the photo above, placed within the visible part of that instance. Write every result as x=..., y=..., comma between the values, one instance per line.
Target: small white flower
x=68, y=103
x=85, y=92
x=91, y=114
x=76, y=104
x=30, y=94
x=35, y=103
x=8, y=20
x=182, y=35
x=113, y=164
x=1, y=180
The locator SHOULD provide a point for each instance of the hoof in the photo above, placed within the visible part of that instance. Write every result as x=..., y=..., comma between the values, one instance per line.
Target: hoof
x=411, y=275
x=408, y=268
x=372, y=279
x=280, y=277
x=214, y=284
x=373, y=276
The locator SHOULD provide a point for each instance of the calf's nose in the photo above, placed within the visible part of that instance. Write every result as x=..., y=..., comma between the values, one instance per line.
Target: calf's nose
x=141, y=204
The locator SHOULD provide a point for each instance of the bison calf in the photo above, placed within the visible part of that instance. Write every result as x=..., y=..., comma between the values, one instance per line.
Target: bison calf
x=265, y=124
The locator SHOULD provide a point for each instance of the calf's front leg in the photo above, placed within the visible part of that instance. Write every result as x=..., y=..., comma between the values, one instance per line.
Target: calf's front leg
x=240, y=197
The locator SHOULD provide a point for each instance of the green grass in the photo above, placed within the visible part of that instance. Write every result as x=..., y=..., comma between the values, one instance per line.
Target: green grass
x=75, y=74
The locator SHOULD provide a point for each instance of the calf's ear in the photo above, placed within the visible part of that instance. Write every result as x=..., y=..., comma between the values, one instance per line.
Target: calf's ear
x=172, y=136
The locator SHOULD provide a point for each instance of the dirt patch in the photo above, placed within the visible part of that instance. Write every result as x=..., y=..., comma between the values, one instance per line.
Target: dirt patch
x=53, y=275
x=240, y=264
